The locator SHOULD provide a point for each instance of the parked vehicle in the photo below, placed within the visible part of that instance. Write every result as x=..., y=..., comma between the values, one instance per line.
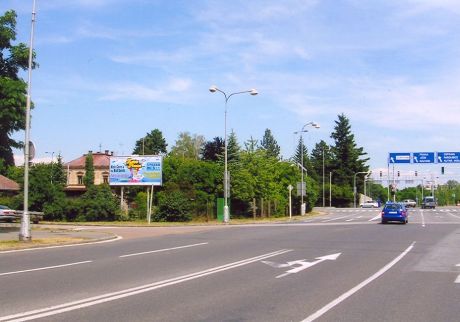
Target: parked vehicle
x=7, y=214
x=409, y=203
x=395, y=212
x=369, y=204
x=429, y=202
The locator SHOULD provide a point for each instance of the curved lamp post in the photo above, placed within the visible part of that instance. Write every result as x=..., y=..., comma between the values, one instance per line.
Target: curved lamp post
x=214, y=89
x=304, y=129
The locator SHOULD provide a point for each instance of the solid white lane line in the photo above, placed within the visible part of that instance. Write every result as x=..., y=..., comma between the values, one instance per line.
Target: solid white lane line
x=352, y=291
x=162, y=250
x=423, y=218
x=44, y=268
x=337, y=218
x=375, y=218
x=70, y=306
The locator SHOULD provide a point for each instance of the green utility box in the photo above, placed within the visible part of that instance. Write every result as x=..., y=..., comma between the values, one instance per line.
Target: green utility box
x=220, y=209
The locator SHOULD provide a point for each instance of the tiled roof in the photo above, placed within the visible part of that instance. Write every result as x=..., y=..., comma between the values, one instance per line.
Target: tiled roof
x=100, y=160
x=8, y=184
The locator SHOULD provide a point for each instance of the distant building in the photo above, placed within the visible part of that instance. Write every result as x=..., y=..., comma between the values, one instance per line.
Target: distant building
x=76, y=170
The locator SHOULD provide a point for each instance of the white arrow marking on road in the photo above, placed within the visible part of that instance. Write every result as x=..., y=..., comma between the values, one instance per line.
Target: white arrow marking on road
x=301, y=264
x=458, y=277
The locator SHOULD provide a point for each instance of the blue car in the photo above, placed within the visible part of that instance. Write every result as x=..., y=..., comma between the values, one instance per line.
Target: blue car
x=395, y=212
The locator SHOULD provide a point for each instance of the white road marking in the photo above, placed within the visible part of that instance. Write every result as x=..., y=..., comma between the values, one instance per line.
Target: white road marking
x=423, y=218
x=44, y=268
x=349, y=293
x=453, y=215
x=457, y=281
x=375, y=218
x=301, y=264
x=60, y=246
x=162, y=250
x=337, y=218
x=75, y=305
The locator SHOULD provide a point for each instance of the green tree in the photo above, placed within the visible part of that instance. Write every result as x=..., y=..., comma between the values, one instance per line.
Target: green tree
x=321, y=159
x=98, y=204
x=173, y=206
x=58, y=174
x=13, y=58
x=213, y=150
x=88, y=179
x=301, y=148
x=347, y=157
x=269, y=144
x=152, y=143
x=188, y=146
x=233, y=148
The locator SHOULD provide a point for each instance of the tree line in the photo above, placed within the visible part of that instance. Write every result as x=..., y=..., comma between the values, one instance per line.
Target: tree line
x=192, y=168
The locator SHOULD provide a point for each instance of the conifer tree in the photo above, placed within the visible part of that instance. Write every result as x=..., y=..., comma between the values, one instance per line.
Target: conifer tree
x=270, y=145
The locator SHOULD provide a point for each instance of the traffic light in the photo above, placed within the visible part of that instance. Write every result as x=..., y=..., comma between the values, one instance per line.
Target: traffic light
x=415, y=172
x=442, y=170
x=398, y=173
x=380, y=174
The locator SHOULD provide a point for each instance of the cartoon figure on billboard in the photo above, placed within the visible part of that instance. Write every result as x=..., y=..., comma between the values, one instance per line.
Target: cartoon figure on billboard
x=134, y=166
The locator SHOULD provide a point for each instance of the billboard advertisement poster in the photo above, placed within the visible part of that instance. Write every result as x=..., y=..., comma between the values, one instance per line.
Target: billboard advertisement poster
x=144, y=170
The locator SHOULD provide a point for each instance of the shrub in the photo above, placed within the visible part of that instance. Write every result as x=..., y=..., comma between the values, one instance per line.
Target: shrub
x=173, y=206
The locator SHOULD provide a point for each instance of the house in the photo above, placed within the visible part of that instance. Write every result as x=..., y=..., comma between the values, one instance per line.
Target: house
x=8, y=186
x=76, y=170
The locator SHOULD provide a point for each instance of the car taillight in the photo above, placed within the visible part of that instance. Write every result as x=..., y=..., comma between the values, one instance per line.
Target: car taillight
x=383, y=212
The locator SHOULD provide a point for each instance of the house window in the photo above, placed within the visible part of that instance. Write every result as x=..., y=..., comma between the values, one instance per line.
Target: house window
x=105, y=177
x=80, y=178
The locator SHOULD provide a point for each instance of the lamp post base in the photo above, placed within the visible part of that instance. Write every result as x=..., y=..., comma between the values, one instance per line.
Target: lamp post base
x=226, y=214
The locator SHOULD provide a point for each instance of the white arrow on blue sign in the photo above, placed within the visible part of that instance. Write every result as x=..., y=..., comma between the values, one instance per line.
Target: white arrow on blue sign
x=399, y=157
x=448, y=157
x=423, y=157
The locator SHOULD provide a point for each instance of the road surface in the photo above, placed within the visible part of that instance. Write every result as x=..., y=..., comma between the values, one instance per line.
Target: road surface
x=340, y=266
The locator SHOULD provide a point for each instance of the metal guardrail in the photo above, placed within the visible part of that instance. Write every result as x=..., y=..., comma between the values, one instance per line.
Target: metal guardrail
x=35, y=216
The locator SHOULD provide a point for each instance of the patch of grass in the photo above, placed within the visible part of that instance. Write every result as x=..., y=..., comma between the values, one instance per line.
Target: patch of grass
x=16, y=244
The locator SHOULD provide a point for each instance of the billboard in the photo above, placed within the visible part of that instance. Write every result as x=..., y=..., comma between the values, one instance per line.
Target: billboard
x=135, y=170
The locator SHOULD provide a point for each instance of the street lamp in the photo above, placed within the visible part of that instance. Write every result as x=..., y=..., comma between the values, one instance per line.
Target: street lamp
x=354, y=186
x=304, y=129
x=25, y=231
x=214, y=89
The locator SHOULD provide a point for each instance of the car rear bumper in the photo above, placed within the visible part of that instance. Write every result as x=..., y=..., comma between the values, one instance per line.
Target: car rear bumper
x=400, y=218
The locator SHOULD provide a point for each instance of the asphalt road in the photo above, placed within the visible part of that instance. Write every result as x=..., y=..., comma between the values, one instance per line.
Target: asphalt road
x=342, y=266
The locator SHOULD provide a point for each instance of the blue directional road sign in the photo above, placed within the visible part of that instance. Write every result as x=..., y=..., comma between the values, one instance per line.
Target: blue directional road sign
x=423, y=157
x=399, y=157
x=448, y=157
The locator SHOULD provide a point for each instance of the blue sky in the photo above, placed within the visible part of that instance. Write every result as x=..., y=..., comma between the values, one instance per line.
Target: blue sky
x=113, y=70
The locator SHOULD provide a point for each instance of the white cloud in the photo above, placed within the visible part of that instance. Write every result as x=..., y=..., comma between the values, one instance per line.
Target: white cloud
x=141, y=92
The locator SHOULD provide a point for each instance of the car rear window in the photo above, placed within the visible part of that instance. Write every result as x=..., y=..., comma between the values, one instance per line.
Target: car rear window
x=392, y=207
